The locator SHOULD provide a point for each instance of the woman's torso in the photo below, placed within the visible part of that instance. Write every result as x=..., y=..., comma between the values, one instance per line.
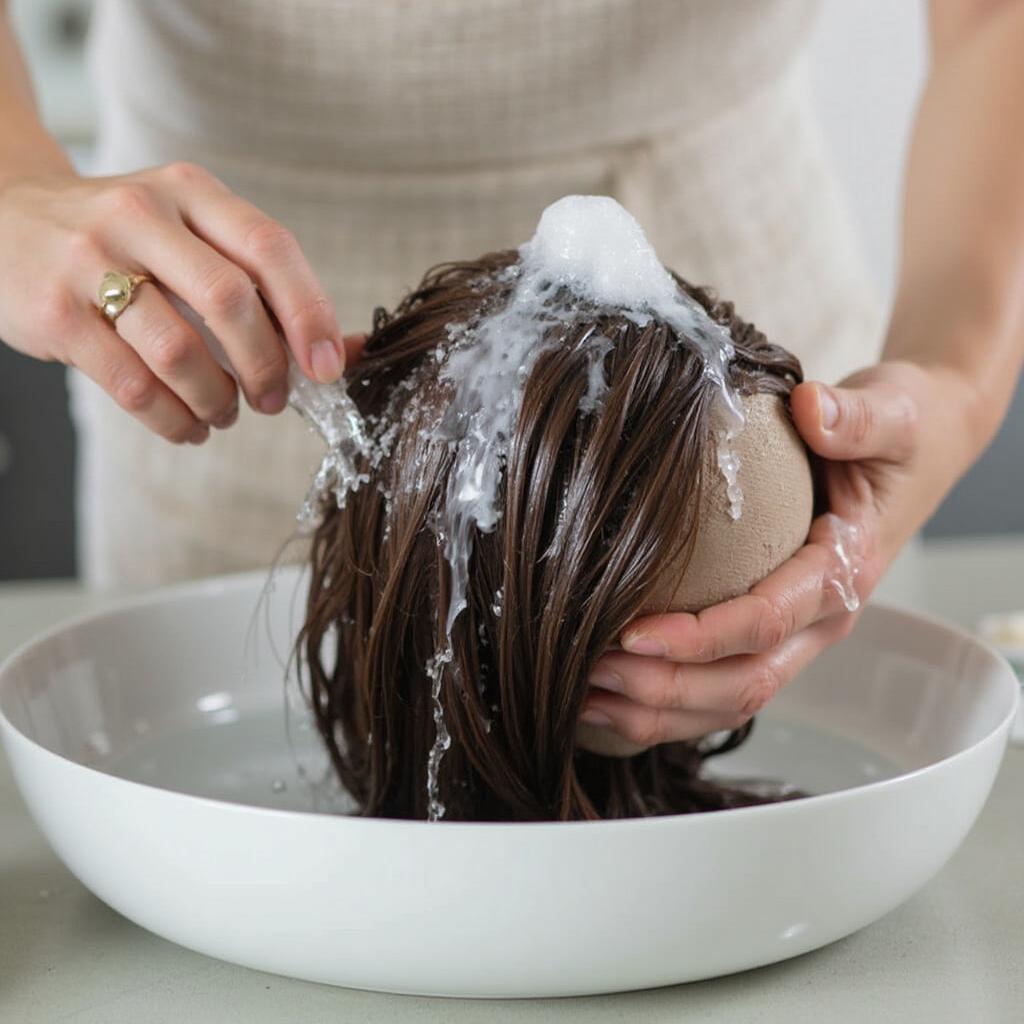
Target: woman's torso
x=393, y=134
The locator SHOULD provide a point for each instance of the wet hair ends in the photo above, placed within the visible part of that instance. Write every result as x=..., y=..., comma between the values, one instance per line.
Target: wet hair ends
x=596, y=505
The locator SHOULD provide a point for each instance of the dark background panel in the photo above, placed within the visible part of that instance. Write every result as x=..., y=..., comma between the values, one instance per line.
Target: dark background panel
x=990, y=498
x=37, y=536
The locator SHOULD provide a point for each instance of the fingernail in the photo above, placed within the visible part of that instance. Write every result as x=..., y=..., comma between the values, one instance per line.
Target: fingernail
x=274, y=401
x=607, y=680
x=227, y=419
x=644, y=643
x=829, y=408
x=326, y=364
x=199, y=435
x=594, y=717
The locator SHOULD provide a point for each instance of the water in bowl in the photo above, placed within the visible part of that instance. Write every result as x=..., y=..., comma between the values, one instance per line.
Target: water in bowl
x=249, y=759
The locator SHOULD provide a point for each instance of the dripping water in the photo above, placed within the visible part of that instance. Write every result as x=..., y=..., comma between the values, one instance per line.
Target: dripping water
x=846, y=544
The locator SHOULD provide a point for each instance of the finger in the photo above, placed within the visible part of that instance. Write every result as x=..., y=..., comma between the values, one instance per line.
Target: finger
x=738, y=686
x=99, y=353
x=177, y=355
x=225, y=297
x=801, y=591
x=864, y=422
x=646, y=727
x=272, y=257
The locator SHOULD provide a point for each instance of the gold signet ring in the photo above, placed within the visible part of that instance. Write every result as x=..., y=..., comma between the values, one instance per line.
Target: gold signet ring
x=117, y=291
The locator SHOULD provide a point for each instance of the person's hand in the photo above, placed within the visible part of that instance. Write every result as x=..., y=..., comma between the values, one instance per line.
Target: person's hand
x=188, y=232
x=895, y=439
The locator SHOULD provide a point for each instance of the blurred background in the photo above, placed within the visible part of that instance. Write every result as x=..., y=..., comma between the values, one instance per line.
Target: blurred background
x=868, y=63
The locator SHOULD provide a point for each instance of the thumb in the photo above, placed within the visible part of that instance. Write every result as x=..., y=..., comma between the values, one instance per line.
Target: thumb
x=866, y=421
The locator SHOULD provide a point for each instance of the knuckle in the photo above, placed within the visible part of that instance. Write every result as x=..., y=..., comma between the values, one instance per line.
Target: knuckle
x=135, y=392
x=171, y=348
x=772, y=626
x=57, y=311
x=84, y=248
x=223, y=411
x=185, y=172
x=315, y=311
x=712, y=648
x=710, y=645
x=270, y=241
x=270, y=372
x=265, y=368
x=130, y=199
x=674, y=691
x=644, y=729
x=228, y=292
x=859, y=420
x=762, y=686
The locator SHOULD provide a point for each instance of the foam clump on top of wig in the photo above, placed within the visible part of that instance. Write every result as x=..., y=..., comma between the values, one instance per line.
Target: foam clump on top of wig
x=595, y=248
x=592, y=245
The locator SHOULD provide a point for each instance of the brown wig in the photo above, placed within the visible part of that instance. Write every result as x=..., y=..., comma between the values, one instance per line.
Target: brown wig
x=597, y=501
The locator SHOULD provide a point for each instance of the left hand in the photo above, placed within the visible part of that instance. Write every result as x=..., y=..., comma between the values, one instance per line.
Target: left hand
x=895, y=439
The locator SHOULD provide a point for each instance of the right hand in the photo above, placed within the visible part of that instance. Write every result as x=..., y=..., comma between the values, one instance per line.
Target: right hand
x=186, y=230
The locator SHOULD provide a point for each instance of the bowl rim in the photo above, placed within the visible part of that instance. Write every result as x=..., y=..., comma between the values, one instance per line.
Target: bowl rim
x=212, y=585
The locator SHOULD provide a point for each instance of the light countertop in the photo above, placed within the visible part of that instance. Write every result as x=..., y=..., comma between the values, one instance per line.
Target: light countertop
x=955, y=952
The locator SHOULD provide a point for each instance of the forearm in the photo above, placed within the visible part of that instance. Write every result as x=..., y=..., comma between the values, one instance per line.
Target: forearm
x=960, y=301
x=25, y=146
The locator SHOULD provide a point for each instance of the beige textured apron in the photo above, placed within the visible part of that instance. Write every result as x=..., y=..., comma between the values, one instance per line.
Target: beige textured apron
x=393, y=134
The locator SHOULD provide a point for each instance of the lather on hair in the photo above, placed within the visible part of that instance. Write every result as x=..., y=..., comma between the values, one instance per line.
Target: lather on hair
x=602, y=510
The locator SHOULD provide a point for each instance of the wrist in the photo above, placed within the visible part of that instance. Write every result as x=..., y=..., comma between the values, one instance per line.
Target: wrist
x=967, y=418
x=12, y=177
x=28, y=152
x=964, y=339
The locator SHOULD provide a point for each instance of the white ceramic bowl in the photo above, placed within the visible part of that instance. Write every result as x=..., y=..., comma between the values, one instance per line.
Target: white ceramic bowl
x=149, y=744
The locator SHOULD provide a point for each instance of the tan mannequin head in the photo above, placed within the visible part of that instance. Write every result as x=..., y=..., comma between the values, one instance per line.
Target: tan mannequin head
x=730, y=556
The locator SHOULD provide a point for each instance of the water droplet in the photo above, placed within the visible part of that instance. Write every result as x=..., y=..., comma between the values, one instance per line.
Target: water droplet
x=847, y=544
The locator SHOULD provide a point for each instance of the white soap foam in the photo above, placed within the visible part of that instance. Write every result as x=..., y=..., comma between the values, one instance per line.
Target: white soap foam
x=592, y=245
x=595, y=248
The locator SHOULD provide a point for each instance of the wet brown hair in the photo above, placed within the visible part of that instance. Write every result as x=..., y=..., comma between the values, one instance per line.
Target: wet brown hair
x=594, y=506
